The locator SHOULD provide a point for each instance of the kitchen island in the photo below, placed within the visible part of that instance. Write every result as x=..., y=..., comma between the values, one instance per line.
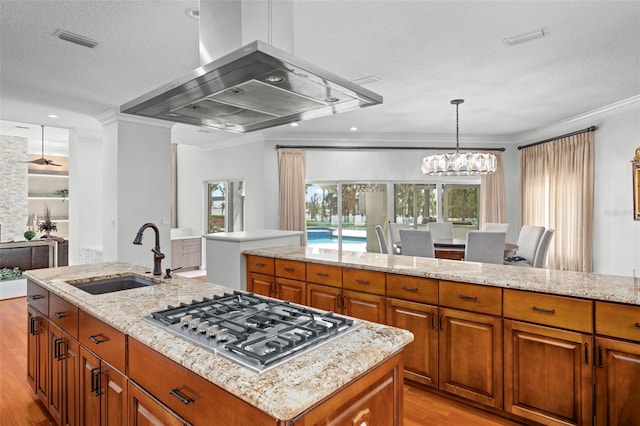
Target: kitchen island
x=547, y=346
x=328, y=381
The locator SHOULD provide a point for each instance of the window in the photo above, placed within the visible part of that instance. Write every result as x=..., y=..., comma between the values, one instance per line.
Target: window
x=362, y=206
x=225, y=206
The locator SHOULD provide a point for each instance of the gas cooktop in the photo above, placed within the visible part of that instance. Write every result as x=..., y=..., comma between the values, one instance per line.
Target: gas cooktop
x=254, y=331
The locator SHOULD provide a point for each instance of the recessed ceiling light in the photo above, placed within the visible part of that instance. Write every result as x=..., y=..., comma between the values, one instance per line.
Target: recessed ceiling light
x=52, y=116
x=332, y=100
x=193, y=13
x=354, y=129
x=523, y=38
x=273, y=79
x=294, y=124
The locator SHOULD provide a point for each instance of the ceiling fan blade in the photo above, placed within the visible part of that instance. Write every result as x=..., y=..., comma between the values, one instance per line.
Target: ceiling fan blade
x=51, y=163
x=41, y=161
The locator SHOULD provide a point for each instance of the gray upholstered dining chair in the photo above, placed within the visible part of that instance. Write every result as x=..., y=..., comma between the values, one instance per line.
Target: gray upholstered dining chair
x=496, y=227
x=394, y=235
x=416, y=243
x=528, y=241
x=381, y=240
x=441, y=230
x=485, y=246
x=543, y=248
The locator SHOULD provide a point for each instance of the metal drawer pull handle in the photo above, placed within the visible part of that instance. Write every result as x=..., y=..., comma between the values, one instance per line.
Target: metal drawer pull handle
x=546, y=311
x=186, y=401
x=32, y=326
x=638, y=324
x=599, y=356
x=36, y=296
x=97, y=341
x=322, y=274
x=289, y=269
x=260, y=265
x=404, y=287
x=586, y=354
x=362, y=282
x=362, y=418
x=60, y=315
x=463, y=297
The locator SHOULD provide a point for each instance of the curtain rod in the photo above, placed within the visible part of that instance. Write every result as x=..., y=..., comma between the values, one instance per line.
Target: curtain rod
x=588, y=129
x=373, y=148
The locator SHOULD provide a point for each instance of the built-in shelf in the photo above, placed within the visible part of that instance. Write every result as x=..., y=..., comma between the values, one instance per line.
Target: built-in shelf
x=47, y=196
x=58, y=173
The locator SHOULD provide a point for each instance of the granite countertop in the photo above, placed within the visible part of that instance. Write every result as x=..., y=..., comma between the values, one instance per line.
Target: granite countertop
x=283, y=392
x=611, y=288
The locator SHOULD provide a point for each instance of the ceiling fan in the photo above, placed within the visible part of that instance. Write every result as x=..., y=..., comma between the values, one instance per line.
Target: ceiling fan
x=43, y=161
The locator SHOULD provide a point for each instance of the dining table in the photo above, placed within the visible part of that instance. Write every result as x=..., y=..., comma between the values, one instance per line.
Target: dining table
x=454, y=248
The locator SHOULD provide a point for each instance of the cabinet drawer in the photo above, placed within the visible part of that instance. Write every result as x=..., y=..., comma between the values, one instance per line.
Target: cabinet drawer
x=471, y=297
x=290, y=269
x=324, y=274
x=64, y=315
x=191, y=242
x=191, y=249
x=366, y=281
x=261, y=265
x=416, y=289
x=103, y=340
x=556, y=311
x=38, y=297
x=201, y=400
x=618, y=321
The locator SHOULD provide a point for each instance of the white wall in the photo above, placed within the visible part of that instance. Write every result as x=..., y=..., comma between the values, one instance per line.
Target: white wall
x=85, y=205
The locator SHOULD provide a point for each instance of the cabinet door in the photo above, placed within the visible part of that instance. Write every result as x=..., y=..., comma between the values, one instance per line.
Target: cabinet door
x=617, y=382
x=56, y=362
x=548, y=374
x=260, y=284
x=113, y=385
x=89, y=390
x=176, y=254
x=324, y=297
x=291, y=290
x=421, y=355
x=145, y=410
x=42, y=355
x=71, y=354
x=470, y=356
x=369, y=307
x=33, y=319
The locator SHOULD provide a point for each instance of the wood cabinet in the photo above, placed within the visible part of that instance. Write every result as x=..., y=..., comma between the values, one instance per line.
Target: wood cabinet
x=38, y=353
x=548, y=354
x=261, y=284
x=617, y=362
x=146, y=410
x=287, y=284
x=470, y=342
x=103, y=392
x=64, y=363
x=412, y=305
x=421, y=355
x=186, y=253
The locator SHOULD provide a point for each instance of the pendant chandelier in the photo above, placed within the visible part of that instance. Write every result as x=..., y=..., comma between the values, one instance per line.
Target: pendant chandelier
x=459, y=163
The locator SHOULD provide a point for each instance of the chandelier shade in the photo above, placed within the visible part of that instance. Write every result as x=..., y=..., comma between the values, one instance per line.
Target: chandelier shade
x=459, y=163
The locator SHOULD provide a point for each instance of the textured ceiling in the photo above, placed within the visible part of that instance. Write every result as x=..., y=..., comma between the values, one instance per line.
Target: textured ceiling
x=424, y=52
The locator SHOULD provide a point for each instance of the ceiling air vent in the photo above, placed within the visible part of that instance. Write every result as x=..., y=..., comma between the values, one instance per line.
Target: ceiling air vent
x=75, y=38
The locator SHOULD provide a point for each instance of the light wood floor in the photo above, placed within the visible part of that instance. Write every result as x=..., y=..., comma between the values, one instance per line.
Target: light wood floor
x=19, y=406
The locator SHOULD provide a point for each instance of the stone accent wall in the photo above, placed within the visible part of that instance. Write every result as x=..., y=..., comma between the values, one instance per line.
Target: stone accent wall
x=14, y=205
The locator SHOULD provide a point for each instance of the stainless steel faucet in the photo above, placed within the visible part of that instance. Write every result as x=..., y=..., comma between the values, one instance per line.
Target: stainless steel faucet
x=157, y=255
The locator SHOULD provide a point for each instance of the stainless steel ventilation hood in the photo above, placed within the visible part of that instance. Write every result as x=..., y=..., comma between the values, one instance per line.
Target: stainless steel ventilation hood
x=255, y=87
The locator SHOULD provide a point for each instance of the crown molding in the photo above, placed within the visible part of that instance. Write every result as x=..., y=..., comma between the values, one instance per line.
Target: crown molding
x=587, y=119
x=111, y=116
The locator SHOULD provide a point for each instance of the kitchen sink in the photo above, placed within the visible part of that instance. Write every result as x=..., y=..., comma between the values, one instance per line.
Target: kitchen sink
x=110, y=285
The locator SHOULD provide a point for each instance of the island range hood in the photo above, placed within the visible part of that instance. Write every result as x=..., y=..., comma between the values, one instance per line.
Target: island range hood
x=252, y=88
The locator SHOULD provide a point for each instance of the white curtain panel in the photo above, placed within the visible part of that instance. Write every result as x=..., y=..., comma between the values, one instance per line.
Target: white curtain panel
x=557, y=192
x=492, y=199
x=292, y=175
